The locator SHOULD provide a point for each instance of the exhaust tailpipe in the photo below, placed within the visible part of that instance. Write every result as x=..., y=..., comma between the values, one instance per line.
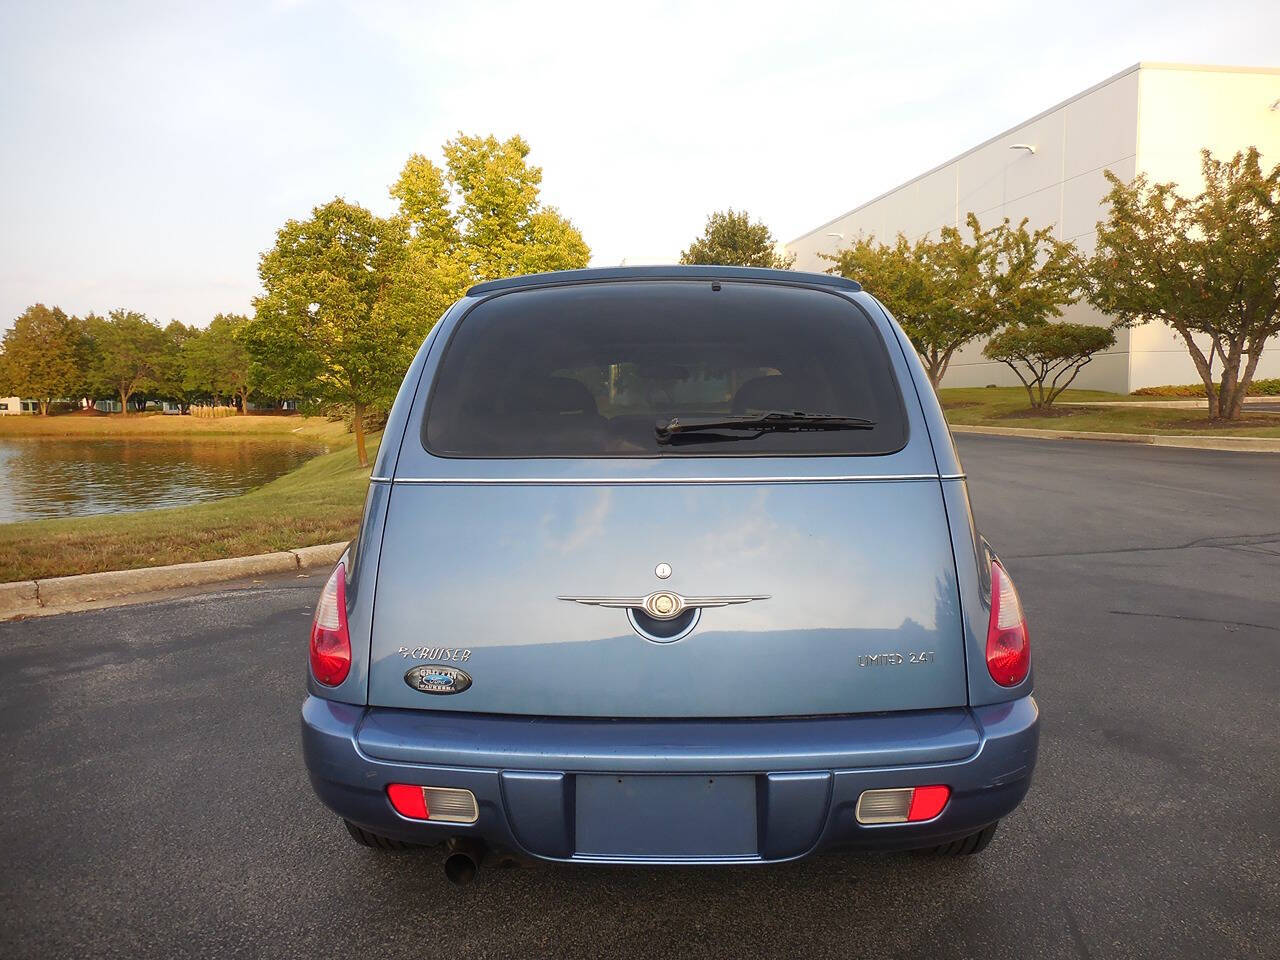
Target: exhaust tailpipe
x=463, y=857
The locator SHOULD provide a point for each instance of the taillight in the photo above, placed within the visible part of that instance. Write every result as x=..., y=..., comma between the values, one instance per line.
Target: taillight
x=1008, y=648
x=901, y=804
x=330, y=641
x=447, y=804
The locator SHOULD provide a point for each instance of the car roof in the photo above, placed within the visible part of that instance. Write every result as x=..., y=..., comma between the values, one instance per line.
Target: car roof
x=568, y=277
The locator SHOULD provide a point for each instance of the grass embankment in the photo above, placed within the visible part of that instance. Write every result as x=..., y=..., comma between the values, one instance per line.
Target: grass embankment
x=1008, y=407
x=157, y=425
x=319, y=502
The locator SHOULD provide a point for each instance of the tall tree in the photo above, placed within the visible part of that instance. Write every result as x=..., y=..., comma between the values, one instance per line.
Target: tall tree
x=929, y=286
x=1208, y=266
x=1035, y=274
x=477, y=219
x=216, y=363
x=87, y=386
x=319, y=329
x=503, y=226
x=348, y=297
x=132, y=353
x=171, y=374
x=42, y=355
x=949, y=292
x=731, y=239
x=433, y=272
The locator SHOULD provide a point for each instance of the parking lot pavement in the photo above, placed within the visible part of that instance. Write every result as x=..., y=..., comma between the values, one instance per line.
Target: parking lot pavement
x=155, y=802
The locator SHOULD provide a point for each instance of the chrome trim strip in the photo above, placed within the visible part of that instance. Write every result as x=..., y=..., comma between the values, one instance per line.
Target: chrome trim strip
x=612, y=481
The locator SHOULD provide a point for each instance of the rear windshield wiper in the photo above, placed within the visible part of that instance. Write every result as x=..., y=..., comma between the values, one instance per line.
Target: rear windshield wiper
x=758, y=423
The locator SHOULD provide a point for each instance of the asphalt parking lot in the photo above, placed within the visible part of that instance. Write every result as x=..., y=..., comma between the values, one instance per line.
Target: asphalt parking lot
x=155, y=802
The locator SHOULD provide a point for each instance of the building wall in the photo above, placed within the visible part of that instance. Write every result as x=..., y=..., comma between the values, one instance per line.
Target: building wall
x=1161, y=113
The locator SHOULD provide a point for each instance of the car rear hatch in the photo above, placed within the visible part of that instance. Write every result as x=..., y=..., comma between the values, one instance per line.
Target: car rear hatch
x=527, y=563
x=857, y=604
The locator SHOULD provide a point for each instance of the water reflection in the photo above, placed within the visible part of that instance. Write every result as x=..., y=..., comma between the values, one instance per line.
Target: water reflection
x=74, y=478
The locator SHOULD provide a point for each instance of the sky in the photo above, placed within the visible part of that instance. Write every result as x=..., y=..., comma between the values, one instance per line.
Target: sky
x=151, y=150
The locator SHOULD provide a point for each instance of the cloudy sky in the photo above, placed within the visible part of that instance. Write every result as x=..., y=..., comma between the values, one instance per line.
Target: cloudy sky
x=150, y=150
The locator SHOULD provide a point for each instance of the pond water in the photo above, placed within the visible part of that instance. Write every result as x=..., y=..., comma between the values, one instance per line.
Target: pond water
x=75, y=478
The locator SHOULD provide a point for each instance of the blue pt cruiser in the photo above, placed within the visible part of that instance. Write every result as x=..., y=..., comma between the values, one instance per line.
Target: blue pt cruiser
x=668, y=565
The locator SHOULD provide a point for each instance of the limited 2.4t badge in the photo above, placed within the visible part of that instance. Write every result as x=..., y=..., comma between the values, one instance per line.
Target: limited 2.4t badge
x=438, y=679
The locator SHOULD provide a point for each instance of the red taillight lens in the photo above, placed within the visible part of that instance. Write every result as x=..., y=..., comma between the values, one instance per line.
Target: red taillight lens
x=1008, y=648
x=330, y=641
x=927, y=802
x=410, y=801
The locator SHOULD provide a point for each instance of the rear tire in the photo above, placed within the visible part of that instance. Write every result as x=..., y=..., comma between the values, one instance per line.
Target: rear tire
x=373, y=840
x=967, y=846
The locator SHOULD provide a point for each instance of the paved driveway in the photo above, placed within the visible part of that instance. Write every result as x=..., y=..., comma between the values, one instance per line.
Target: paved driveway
x=155, y=802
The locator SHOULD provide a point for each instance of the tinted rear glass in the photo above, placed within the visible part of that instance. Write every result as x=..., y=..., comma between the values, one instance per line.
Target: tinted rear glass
x=589, y=370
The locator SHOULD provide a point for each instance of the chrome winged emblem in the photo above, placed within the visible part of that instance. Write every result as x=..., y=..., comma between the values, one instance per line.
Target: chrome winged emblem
x=664, y=604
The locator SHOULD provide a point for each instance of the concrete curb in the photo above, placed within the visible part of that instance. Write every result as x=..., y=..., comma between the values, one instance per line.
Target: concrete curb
x=1242, y=444
x=25, y=597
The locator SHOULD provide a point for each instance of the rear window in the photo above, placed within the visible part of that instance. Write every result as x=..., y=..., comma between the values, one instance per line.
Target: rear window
x=590, y=370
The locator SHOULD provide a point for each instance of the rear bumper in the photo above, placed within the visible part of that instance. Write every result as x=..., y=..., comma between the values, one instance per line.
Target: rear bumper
x=806, y=775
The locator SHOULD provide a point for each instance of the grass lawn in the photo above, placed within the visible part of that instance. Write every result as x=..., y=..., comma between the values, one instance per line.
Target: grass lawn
x=319, y=502
x=1008, y=407
x=157, y=425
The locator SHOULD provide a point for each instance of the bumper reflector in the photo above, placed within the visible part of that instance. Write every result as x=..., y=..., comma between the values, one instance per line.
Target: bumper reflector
x=902, y=804
x=438, y=804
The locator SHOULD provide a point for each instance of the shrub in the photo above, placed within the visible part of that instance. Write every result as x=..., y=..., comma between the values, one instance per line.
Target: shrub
x=1189, y=390
x=1047, y=357
x=1259, y=388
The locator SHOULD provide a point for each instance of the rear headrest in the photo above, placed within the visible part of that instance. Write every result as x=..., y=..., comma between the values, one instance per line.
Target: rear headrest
x=776, y=393
x=560, y=395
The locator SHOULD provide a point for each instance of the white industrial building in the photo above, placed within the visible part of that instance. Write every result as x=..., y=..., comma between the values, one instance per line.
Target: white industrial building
x=1152, y=118
x=11, y=406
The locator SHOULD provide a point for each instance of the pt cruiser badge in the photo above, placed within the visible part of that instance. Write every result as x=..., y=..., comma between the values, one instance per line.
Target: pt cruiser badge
x=437, y=679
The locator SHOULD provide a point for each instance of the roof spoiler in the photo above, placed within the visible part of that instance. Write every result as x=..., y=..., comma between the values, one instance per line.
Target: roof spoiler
x=758, y=274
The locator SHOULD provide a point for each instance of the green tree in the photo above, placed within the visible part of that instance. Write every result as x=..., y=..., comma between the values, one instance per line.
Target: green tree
x=1208, y=266
x=478, y=218
x=132, y=354
x=87, y=387
x=949, y=292
x=731, y=239
x=216, y=363
x=1035, y=275
x=1046, y=357
x=349, y=297
x=503, y=227
x=171, y=373
x=432, y=272
x=42, y=355
x=320, y=330
x=932, y=287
